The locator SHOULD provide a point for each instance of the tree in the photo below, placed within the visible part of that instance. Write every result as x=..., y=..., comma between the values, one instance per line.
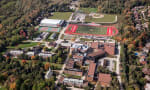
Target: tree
x=59, y=60
x=12, y=86
x=32, y=57
x=99, y=8
x=46, y=66
x=63, y=87
x=45, y=48
x=35, y=87
x=98, y=87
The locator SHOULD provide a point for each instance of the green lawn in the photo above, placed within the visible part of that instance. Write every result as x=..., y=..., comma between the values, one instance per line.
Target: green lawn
x=85, y=39
x=24, y=45
x=61, y=15
x=2, y=88
x=72, y=76
x=106, y=18
x=88, y=10
x=55, y=65
x=92, y=30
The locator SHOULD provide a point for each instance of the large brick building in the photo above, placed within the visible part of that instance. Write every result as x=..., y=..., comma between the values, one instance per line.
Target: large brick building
x=91, y=72
x=72, y=72
x=109, y=48
x=104, y=79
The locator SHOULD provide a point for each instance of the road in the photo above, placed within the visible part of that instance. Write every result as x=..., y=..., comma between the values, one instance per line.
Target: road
x=63, y=68
x=58, y=42
x=118, y=67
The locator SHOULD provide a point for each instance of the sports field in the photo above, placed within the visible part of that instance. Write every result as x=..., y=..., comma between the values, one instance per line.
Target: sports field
x=91, y=30
x=88, y=10
x=105, y=19
x=49, y=29
x=61, y=15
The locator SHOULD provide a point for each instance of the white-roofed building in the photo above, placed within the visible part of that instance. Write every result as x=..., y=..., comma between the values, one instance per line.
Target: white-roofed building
x=51, y=23
x=73, y=82
x=16, y=52
x=80, y=47
x=45, y=55
x=48, y=74
x=31, y=53
x=147, y=86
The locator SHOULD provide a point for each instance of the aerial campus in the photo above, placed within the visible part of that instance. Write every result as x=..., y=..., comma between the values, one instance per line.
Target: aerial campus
x=89, y=47
x=80, y=50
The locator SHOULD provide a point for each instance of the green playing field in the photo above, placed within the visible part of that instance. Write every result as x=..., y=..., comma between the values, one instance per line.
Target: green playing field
x=91, y=30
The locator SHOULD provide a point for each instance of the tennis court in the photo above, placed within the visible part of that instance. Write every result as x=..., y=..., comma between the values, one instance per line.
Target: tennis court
x=49, y=29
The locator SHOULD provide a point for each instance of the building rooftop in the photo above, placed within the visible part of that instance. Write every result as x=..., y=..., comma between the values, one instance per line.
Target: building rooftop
x=99, y=52
x=91, y=69
x=51, y=21
x=70, y=64
x=94, y=45
x=104, y=79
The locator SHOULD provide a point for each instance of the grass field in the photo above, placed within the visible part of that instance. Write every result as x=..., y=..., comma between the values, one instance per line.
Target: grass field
x=106, y=18
x=61, y=15
x=72, y=76
x=24, y=45
x=92, y=30
x=2, y=88
x=88, y=10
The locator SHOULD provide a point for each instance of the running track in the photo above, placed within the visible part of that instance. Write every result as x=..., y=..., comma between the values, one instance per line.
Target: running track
x=74, y=28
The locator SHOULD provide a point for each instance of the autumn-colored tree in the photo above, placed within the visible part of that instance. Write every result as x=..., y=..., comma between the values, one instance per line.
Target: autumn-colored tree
x=99, y=8
x=1, y=26
x=45, y=48
x=12, y=86
x=23, y=61
x=32, y=57
x=46, y=66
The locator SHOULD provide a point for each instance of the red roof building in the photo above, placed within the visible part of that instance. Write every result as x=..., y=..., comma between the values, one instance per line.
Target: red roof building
x=94, y=45
x=70, y=64
x=104, y=79
x=76, y=56
x=91, y=72
x=109, y=48
x=96, y=54
x=89, y=61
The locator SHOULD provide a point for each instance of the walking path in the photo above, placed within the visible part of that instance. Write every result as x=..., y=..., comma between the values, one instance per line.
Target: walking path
x=118, y=67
